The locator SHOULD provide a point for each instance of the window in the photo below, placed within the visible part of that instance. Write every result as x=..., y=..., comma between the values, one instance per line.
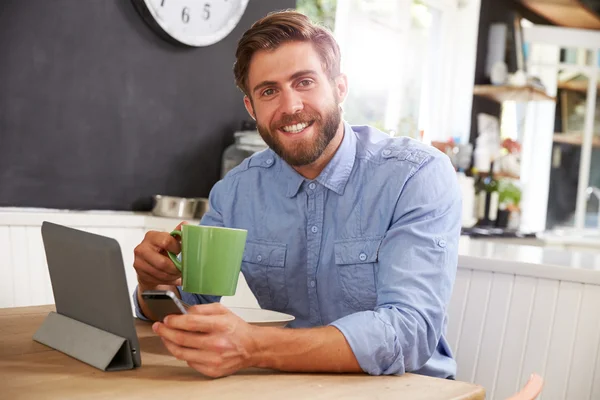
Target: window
x=392, y=51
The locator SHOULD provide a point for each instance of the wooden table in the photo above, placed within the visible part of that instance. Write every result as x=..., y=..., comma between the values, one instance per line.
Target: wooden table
x=31, y=370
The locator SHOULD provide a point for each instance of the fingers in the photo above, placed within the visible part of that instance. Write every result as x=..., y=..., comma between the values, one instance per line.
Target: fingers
x=160, y=262
x=209, y=309
x=180, y=337
x=192, y=339
x=151, y=280
x=208, y=363
x=148, y=260
x=197, y=323
x=162, y=241
x=156, y=267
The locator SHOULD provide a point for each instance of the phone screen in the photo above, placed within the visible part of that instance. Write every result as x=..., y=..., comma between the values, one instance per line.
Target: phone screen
x=162, y=303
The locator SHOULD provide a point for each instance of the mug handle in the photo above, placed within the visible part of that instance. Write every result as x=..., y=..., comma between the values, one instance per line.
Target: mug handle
x=172, y=256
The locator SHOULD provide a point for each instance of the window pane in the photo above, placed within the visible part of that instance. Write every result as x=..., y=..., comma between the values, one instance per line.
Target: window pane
x=567, y=147
x=386, y=47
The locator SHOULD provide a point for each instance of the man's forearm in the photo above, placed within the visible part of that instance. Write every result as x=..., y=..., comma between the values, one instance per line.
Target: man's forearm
x=304, y=350
x=142, y=288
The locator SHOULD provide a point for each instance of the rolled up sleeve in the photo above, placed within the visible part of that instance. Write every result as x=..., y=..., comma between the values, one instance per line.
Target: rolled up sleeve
x=415, y=274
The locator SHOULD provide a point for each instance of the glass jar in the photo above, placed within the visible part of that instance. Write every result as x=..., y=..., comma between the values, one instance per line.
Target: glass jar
x=246, y=143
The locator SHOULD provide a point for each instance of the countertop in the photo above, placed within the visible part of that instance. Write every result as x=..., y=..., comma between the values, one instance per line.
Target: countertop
x=97, y=218
x=543, y=262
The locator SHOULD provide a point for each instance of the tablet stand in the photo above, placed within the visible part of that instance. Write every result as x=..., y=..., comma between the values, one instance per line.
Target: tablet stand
x=93, y=346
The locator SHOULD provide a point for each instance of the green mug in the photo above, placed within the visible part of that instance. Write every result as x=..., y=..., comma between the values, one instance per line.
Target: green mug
x=211, y=258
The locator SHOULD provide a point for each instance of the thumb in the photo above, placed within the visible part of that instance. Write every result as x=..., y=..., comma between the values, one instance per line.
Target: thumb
x=178, y=228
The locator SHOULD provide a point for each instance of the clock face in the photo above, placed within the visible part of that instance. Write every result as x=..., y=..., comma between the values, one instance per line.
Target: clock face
x=195, y=22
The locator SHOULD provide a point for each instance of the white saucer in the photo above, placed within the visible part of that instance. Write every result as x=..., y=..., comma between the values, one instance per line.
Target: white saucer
x=260, y=317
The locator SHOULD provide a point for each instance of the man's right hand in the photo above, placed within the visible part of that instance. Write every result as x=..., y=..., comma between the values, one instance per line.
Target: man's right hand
x=151, y=262
x=155, y=270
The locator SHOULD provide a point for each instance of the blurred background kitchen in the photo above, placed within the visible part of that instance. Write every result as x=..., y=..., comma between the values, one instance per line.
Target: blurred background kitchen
x=109, y=126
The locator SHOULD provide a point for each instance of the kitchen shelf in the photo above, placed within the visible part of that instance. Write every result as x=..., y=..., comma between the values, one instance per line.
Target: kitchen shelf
x=511, y=93
x=574, y=139
x=569, y=13
x=577, y=86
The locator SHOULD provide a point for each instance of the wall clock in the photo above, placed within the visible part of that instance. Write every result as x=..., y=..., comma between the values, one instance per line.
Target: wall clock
x=192, y=22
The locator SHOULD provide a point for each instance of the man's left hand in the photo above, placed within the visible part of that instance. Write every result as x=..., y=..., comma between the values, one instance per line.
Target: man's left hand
x=210, y=338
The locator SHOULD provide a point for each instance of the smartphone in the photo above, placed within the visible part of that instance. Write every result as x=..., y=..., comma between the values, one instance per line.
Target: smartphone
x=163, y=302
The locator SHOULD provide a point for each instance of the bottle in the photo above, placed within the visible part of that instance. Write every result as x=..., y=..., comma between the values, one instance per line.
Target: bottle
x=479, y=202
x=247, y=142
x=490, y=196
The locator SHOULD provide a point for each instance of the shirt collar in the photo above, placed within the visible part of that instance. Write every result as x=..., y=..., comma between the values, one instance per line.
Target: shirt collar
x=336, y=173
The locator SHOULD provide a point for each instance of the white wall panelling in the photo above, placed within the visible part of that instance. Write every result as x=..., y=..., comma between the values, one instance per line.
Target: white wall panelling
x=504, y=327
x=25, y=279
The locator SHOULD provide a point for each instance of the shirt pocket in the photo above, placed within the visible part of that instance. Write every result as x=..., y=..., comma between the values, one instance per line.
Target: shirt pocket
x=355, y=260
x=263, y=265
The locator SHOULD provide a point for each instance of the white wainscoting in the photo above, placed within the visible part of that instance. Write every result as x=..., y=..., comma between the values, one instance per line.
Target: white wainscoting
x=25, y=280
x=23, y=268
x=504, y=327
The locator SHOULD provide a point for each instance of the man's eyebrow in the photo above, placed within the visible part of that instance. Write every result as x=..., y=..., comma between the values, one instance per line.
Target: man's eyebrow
x=263, y=84
x=295, y=75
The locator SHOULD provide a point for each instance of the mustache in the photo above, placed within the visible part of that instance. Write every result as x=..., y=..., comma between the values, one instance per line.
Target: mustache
x=296, y=118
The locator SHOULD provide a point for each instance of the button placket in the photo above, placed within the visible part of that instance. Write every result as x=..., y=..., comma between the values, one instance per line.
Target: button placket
x=315, y=220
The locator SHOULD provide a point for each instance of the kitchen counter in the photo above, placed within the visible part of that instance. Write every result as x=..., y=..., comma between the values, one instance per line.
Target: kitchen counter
x=537, y=261
x=97, y=218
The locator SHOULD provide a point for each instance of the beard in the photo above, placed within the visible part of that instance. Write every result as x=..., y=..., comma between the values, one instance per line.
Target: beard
x=307, y=151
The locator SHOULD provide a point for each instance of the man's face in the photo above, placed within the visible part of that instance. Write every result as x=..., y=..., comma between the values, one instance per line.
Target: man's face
x=295, y=104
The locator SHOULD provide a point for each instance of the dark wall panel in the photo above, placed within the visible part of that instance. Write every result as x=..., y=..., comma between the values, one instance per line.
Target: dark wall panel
x=99, y=112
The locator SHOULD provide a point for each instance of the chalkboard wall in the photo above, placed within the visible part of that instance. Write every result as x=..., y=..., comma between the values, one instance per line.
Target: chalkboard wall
x=98, y=112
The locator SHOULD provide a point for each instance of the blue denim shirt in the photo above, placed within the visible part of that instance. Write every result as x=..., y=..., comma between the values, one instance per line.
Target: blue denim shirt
x=370, y=246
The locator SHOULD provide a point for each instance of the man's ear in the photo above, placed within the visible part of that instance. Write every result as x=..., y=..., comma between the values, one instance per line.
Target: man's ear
x=341, y=87
x=249, y=107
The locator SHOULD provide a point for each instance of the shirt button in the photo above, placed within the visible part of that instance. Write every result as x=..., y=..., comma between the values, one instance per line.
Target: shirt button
x=314, y=229
x=386, y=152
x=312, y=283
x=259, y=258
x=312, y=186
x=269, y=161
x=442, y=243
x=362, y=256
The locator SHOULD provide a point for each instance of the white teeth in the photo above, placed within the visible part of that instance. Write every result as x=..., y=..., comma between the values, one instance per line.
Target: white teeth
x=295, y=128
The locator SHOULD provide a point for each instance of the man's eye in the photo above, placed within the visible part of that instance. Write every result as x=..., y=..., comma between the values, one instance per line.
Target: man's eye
x=305, y=82
x=268, y=92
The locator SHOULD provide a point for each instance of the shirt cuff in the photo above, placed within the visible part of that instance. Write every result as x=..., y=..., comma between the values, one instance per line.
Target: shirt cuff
x=373, y=341
x=138, y=311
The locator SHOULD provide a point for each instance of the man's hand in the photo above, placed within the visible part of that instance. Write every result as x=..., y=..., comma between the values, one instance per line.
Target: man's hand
x=151, y=262
x=211, y=339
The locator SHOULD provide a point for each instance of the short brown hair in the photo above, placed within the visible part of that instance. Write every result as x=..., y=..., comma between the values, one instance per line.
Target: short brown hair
x=280, y=27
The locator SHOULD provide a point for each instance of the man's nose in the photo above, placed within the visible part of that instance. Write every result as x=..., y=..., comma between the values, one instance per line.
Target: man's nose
x=291, y=102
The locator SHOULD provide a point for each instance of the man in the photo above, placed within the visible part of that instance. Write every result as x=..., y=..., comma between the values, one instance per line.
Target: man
x=351, y=231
